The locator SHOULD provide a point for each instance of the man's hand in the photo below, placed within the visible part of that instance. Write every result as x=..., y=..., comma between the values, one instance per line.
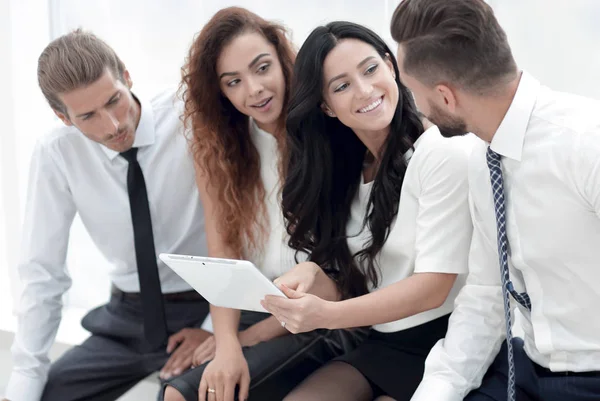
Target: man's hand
x=181, y=346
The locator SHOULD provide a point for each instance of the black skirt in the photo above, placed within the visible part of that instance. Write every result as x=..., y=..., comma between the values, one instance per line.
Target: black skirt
x=394, y=363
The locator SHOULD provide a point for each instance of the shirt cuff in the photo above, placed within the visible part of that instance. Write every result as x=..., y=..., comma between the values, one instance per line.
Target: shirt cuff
x=432, y=389
x=426, y=264
x=24, y=388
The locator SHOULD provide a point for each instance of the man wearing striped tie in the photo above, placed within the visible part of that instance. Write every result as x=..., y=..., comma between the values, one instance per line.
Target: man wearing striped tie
x=535, y=202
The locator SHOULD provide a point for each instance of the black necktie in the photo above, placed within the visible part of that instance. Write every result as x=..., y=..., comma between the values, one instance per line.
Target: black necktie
x=155, y=328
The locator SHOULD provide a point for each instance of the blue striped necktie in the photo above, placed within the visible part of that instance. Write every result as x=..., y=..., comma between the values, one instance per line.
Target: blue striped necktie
x=493, y=161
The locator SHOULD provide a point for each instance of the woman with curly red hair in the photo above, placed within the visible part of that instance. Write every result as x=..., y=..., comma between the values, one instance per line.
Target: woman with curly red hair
x=236, y=84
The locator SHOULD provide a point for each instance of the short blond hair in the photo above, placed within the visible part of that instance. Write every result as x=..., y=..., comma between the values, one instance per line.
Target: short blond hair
x=72, y=61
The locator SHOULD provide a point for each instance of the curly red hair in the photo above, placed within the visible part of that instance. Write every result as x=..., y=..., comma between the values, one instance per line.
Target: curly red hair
x=219, y=134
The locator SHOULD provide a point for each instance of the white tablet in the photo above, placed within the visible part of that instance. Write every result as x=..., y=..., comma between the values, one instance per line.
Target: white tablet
x=228, y=283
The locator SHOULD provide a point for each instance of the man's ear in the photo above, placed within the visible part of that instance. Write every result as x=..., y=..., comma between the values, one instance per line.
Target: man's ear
x=63, y=117
x=448, y=96
x=327, y=110
x=127, y=79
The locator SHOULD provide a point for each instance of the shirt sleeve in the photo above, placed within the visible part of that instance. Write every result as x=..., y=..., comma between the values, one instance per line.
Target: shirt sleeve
x=456, y=364
x=443, y=225
x=49, y=213
x=586, y=160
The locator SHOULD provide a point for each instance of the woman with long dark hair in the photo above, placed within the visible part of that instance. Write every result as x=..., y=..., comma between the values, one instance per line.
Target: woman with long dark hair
x=236, y=87
x=380, y=204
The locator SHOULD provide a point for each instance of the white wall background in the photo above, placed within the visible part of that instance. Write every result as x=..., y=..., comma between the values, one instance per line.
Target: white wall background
x=555, y=40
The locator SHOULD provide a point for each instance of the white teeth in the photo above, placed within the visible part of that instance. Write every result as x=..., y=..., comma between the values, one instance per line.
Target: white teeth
x=371, y=106
x=263, y=103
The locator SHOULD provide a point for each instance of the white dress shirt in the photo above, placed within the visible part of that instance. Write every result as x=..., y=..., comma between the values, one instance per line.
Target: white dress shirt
x=550, y=148
x=71, y=174
x=275, y=258
x=432, y=230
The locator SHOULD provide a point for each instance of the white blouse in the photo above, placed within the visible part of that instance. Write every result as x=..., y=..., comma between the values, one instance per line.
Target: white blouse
x=275, y=257
x=432, y=230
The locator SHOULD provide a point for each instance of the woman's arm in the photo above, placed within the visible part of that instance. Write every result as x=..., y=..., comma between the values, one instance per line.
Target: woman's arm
x=228, y=368
x=308, y=277
x=418, y=293
x=225, y=320
x=413, y=295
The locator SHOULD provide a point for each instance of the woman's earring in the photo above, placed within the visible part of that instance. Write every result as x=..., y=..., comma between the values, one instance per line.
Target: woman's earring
x=326, y=110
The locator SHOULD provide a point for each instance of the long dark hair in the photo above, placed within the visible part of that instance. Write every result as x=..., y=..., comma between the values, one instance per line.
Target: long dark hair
x=219, y=134
x=325, y=160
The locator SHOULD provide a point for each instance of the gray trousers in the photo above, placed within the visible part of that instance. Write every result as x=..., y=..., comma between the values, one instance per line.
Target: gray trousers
x=278, y=365
x=115, y=357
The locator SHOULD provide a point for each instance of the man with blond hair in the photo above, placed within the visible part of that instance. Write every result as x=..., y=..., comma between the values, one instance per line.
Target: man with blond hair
x=122, y=164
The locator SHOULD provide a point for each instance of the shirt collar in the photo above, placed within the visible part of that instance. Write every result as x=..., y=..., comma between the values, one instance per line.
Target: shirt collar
x=508, y=139
x=145, y=134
